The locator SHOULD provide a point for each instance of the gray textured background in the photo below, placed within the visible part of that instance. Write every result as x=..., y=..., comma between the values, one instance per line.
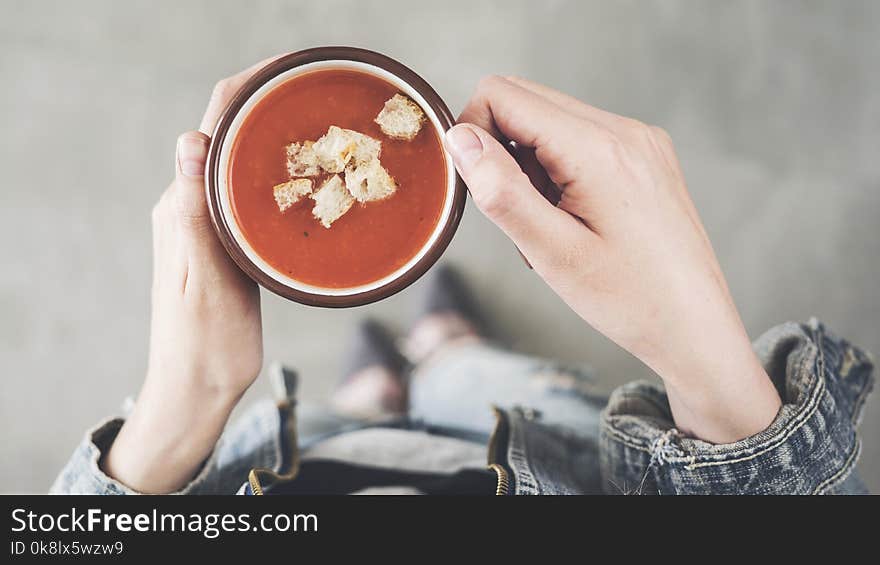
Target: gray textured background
x=774, y=107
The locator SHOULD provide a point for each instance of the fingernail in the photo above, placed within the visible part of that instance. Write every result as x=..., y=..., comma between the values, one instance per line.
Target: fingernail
x=192, y=152
x=464, y=145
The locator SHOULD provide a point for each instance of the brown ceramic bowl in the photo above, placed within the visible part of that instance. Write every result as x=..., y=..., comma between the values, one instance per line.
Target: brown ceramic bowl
x=216, y=176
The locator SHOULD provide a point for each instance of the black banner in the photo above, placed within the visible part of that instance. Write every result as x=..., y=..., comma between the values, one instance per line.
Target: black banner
x=130, y=529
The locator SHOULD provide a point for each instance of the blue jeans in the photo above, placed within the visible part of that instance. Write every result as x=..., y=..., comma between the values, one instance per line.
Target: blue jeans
x=553, y=431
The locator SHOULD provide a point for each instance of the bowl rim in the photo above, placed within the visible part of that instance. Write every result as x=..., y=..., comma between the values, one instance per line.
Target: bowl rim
x=212, y=171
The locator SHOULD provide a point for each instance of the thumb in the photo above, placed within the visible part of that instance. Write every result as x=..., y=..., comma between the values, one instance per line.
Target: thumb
x=504, y=194
x=192, y=204
x=205, y=253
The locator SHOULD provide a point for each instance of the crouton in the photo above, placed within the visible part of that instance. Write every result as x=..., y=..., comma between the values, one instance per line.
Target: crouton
x=289, y=193
x=302, y=160
x=369, y=181
x=400, y=118
x=332, y=200
x=338, y=147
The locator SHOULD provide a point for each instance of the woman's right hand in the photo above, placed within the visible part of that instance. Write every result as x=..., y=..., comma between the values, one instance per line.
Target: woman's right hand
x=624, y=247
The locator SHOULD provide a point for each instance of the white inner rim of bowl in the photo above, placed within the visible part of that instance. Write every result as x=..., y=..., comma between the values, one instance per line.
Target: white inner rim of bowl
x=223, y=177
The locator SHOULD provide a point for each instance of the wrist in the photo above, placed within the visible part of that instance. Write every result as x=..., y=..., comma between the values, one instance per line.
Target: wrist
x=197, y=381
x=718, y=390
x=169, y=434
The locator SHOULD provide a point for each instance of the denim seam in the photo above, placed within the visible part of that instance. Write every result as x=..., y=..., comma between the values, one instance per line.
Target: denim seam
x=627, y=440
x=798, y=422
x=653, y=401
x=841, y=474
x=859, y=403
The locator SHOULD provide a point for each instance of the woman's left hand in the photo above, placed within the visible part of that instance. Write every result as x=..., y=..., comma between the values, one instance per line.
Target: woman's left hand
x=206, y=344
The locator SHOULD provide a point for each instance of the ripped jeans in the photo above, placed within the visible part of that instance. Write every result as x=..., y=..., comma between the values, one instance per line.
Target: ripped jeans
x=564, y=437
x=560, y=434
x=552, y=430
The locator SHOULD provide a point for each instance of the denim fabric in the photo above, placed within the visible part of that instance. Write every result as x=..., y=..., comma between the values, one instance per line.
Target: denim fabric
x=456, y=388
x=550, y=411
x=255, y=439
x=551, y=459
x=558, y=438
x=810, y=448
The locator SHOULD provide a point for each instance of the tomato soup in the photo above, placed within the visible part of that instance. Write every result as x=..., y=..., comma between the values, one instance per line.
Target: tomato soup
x=373, y=239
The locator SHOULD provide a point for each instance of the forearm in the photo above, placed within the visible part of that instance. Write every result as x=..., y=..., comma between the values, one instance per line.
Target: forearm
x=735, y=400
x=718, y=390
x=810, y=447
x=168, y=436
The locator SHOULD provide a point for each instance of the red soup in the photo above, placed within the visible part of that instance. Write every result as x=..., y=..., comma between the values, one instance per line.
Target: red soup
x=371, y=240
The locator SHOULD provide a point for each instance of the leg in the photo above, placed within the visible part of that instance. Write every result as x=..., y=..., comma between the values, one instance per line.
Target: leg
x=373, y=384
x=460, y=373
x=370, y=391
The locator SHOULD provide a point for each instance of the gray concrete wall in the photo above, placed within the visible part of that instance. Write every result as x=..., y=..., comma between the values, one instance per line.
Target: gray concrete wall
x=774, y=107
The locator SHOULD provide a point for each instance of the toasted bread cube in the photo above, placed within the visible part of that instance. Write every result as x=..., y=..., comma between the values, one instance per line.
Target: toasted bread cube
x=400, y=118
x=369, y=181
x=332, y=200
x=289, y=193
x=338, y=147
x=302, y=161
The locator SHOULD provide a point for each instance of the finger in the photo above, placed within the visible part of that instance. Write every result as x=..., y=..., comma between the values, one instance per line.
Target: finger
x=169, y=255
x=205, y=257
x=157, y=217
x=570, y=103
x=528, y=162
x=503, y=193
x=501, y=107
x=560, y=138
x=224, y=91
x=191, y=205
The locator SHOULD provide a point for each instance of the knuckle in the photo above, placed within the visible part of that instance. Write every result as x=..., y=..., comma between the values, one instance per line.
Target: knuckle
x=626, y=156
x=497, y=199
x=614, y=147
x=660, y=133
x=635, y=133
x=194, y=222
x=191, y=213
x=491, y=202
x=221, y=90
x=635, y=126
x=662, y=137
x=638, y=132
x=188, y=136
x=489, y=82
